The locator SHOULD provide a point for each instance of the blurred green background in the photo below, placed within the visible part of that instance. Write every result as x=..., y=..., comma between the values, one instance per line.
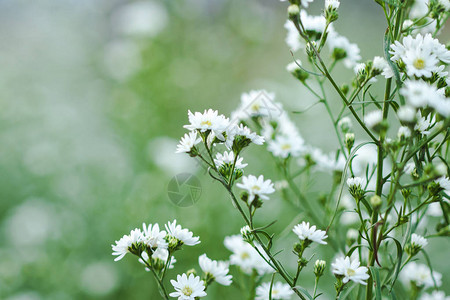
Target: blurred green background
x=93, y=97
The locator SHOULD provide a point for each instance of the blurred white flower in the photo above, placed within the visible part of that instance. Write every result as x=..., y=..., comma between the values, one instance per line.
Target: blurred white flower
x=421, y=275
x=373, y=118
x=418, y=241
x=142, y=18
x=245, y=256
x=99, y=278
x=435, y=295
x=280, y=291
x=217, y=269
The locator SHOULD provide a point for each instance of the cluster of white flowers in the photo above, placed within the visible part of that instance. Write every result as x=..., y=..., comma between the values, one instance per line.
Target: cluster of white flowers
x=153, y=240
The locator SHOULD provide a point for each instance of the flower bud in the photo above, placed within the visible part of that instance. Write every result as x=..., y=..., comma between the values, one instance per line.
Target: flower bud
x=293, y=11
x=417, y=243
x=246, y=233
x=319, y=267
x=330, y=12
x=349, y=140
x=355, y=187
x=376, y=202
x=310, y=50
x=191, y=271
x=345, y=123
x=352, y=236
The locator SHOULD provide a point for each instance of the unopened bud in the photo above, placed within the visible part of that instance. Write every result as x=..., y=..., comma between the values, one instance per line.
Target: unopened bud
x=319, y=267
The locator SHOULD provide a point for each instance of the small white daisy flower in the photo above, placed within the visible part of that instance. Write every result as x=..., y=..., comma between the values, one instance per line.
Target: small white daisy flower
x=217, y=269
x=403, y=132
x=188, y=288
x=228, y=158
x=350, y=270
x=332, y=4
x=286, y=145
x=188, y=142
x=153, y=237
x=305, y=232
x=123, y=245
x=418, y=241
x=256, y=186
x=356, y=182
x=208, y=120
x=181, y=234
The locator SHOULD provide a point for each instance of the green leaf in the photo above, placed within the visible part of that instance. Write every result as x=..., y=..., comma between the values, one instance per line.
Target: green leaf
x=376, y=277
x=347, y=292
x=399, y=261
x=304, y=292
x=429, y=266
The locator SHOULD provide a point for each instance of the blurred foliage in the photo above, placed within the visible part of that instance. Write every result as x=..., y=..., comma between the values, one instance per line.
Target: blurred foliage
x=90, y=116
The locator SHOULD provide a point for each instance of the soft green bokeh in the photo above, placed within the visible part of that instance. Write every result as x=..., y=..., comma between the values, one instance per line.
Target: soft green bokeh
x=90, y=118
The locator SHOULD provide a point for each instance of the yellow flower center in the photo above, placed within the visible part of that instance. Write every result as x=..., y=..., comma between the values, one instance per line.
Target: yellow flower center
x=351, y=272
x=419, y=63
x=274, y=292
x=286, y=147
x=208, y=122
x=256, y=188
x=187, y=290
x=255, y=107
x=244, y=255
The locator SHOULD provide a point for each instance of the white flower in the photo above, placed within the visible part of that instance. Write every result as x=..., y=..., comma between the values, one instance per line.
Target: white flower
x=208, y=120
x=217, y=269
x=435, y=295
x=245, y=256
x=350, y=270
x=257, y=103
x=424, y=124
x=420, y=62
x=419, y=93
x=293, y=66
x=419, y=9
x=352, y=56
x=161, y=254
x=418, y=241
x=293, y=39
x=153, y=237
x=434, y=209
x=421, y=275
x=356, y=182
x=188, y=288
x=188, y=142
x=373, y=118
x=123, y=245
x=332, y=4
x=305, y=232
x=305, y=3
x=234, y=131
x=381, y=66
x=444, y=183
x=441, y=105
x=345, y=123
x=286, y=145
x=445, y=4
x=404, y=132
x=407, y=114
x=256, y=187
x=228, y=158
x=181, y=234
x=279, y=291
